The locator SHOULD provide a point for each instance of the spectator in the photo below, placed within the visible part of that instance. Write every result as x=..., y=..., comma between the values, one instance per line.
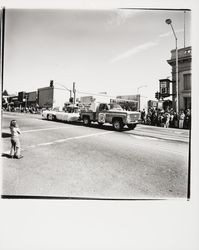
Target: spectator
x=187, y=121
x=167, y=119
x=171, y=122
x=143, y=116
x=181, y=119
x=154, y=118
x=161, y=119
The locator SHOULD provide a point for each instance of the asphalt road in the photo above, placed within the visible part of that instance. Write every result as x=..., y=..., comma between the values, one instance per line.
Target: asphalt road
x=71, y=160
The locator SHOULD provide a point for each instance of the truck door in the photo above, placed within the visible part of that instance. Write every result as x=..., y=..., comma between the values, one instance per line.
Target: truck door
x=103, y=108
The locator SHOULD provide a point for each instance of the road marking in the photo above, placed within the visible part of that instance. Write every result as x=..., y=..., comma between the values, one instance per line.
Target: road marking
x=63, y=140
x=43, y=129
x=68, y=139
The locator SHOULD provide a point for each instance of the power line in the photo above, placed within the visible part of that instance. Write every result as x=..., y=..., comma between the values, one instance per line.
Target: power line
x=88, y=93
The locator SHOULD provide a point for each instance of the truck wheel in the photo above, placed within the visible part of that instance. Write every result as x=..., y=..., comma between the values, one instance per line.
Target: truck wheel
x=131, y=126
x=118, y=125
x=51, y=117
x=100, y=124
x=86, y=120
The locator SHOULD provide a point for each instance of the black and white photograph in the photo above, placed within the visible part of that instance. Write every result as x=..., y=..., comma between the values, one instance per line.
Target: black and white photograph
x=99, y=117
x=96, y=103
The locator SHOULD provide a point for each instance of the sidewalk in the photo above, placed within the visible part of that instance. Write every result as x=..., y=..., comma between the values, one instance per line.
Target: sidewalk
x=7, y=113
x=174, y=134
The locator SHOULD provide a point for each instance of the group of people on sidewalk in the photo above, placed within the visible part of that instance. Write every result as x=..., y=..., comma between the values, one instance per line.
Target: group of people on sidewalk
x=167, y=118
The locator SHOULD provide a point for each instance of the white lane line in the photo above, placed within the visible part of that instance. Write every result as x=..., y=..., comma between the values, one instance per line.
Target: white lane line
x=44, y=129
x=69, y=138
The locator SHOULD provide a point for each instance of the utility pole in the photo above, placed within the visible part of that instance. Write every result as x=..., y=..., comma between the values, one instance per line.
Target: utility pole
x=169, y=22
x=74, y=93
x=184, y=28
x=2, y=38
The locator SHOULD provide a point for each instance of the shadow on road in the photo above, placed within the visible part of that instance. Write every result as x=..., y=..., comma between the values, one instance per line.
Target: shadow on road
x=5, y=135
x=107, y=127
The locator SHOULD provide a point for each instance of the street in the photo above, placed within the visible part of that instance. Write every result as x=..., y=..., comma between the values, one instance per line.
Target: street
x=71, y=160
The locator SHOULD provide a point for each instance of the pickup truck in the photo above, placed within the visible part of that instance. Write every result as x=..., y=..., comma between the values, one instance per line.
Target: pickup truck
x=111, y=113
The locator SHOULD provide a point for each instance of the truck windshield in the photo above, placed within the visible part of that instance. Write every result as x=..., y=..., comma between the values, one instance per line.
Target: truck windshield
x=115, y=106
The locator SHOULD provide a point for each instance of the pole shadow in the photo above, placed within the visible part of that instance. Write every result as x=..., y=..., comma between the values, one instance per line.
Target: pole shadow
x=5, y=155
x=5, y=135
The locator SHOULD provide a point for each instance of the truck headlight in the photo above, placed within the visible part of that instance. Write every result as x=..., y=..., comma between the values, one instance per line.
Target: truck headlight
x=128, y=118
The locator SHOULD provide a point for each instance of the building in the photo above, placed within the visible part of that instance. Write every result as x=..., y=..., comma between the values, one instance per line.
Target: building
x=45, y=97
x=184, y=77
x=32, y=99
x=152, y=104
x=51, y=97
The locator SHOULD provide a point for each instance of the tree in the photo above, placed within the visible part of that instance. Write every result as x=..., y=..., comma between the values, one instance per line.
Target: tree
x=5, y=92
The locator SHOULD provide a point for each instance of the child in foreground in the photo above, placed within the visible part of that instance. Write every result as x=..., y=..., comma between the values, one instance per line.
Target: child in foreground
x=15, y=143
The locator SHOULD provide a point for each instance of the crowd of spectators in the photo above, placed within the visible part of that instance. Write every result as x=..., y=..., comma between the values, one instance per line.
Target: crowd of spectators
x=31, y=110
x=167, y=118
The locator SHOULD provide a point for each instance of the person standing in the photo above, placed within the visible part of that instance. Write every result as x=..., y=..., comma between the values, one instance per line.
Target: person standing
x=167, y=120
x=171, y=122
x=187, y=122
x=181, y=119
x=15, y=143
x=143, y=116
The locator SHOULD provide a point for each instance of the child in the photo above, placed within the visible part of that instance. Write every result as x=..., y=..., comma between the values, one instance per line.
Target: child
x=15, y=143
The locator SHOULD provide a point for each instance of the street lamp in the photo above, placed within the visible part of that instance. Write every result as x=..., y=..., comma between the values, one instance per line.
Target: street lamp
x=65, y=88
x=169, y=22
x=142, y=86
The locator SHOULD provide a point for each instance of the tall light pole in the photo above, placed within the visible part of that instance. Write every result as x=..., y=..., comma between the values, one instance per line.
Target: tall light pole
x=65, y=88
x=142, y=86
x=169, y=22
x=74, y=93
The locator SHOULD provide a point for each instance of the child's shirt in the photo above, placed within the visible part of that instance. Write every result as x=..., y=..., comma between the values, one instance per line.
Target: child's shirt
x=14, y=132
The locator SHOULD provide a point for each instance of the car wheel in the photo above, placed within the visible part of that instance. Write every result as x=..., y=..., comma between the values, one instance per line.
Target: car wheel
x=118, y=125
x=50, y=117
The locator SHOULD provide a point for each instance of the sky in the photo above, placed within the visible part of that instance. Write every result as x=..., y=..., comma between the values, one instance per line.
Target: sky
x=118, y=51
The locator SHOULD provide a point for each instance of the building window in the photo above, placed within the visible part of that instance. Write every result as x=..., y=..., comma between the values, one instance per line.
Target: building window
x=187, y=102
x=187, y=81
